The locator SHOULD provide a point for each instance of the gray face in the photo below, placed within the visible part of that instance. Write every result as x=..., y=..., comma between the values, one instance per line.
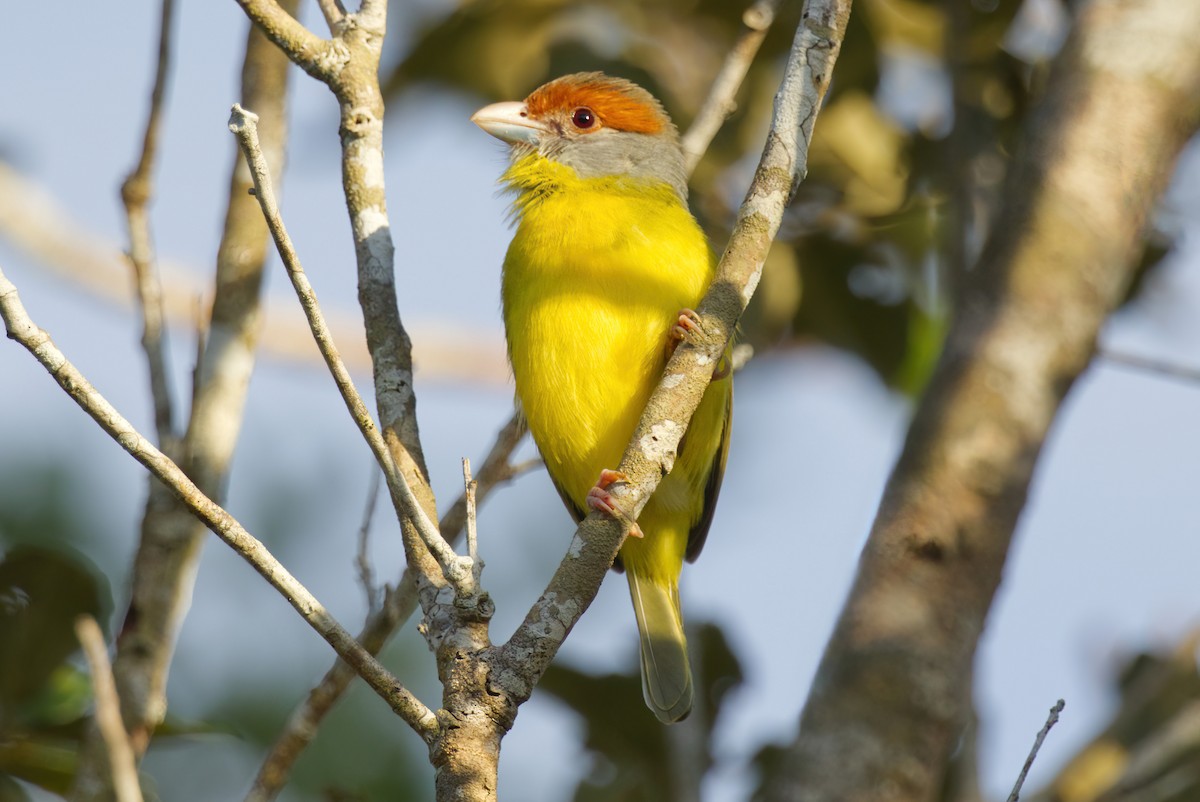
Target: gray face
x=622, y=153
x=605, y=153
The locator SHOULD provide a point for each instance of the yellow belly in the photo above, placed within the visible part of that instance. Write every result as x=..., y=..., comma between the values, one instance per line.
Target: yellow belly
x=593, y=282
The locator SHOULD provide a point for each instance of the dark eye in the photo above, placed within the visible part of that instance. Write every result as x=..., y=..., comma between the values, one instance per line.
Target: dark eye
x=583, y=118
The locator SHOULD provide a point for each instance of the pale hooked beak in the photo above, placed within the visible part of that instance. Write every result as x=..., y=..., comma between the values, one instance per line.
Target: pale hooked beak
x=510, y=122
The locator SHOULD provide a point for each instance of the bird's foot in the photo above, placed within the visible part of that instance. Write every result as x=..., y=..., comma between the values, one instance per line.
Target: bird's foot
x=687, y=323
x=598, y=498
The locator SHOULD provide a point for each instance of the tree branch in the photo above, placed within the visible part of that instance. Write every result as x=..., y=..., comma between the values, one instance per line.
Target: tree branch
x=398, y=605
x=136, y=192
x=169, y=545
x=1051, y=720
x=891, y=696
x=119, y=752
x=334, y=13
x=455, y=570
x=719, y=104
x=22, y=329
x=1150, y=364
x=319, y=57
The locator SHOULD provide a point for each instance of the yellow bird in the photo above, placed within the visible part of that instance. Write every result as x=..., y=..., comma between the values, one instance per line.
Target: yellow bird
x=598, y=285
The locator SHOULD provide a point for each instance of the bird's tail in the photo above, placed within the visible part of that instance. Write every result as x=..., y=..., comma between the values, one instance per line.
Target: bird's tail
x=666, y=676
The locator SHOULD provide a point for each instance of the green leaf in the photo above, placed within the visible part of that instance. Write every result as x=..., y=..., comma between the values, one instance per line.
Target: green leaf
x=42, y=592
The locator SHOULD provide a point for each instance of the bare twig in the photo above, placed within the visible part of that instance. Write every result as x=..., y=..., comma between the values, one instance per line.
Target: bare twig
x=349, y=65
x=366, y=576
x=136, y=192
x=334, y=12
x=1149, y=364
x=719, y=104
x=22, y=329
x=244, y=126
x=1051, y=720
x=170, y=541
x=398, y=605
x=318, y=57
x=108, y=711
x=469, y=488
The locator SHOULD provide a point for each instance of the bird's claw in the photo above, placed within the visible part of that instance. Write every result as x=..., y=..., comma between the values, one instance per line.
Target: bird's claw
x=598, y=498
x=688, y=322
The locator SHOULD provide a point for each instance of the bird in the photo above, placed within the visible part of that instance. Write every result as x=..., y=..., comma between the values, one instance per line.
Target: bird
x=598, y=285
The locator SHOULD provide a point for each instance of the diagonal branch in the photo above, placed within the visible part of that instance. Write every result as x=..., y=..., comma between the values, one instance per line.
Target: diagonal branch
x=334, y=12
x=119, y=751
x=244, y=126
x=349, y=65
x=319, y=57
x=164, y=567
x=398, y=606
x=22, y=329
x=719, y=104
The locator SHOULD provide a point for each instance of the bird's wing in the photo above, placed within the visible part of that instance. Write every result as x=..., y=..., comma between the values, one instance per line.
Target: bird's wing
x=712, y=487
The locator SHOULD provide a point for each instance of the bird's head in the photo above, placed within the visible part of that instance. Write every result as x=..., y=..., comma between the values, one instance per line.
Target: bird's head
x=595, y=124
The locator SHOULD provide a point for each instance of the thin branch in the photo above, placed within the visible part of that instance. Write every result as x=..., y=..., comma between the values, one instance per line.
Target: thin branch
x=108, y=711
x=349, y=65
x=469, y=488
x=362, y=561
x=170, y=541
x=334, y=12
x=1051, y=720
x=318, y=57
x=244, y=126
x=22, y=329
x=1149, y=364
x=652, y=450
x=136, y=192
x=719, y=104
x=495, y=470
x=398, y=605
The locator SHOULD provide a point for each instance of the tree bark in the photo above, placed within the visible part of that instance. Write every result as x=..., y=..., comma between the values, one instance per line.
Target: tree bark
x=891, y=696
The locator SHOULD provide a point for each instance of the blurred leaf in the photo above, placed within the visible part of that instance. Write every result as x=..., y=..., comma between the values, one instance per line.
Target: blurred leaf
x=907, y=22
x=630, y=747
x=860, y=150
x=42, y=592
x=61, y=701
x=47, y=763
x=1151, y=747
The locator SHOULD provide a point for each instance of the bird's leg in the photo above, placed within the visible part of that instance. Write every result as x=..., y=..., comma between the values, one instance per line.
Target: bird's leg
x=689, y=322
x=598, y=498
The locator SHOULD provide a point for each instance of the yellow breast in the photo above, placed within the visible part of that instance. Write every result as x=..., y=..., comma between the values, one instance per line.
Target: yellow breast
x=593, y=281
